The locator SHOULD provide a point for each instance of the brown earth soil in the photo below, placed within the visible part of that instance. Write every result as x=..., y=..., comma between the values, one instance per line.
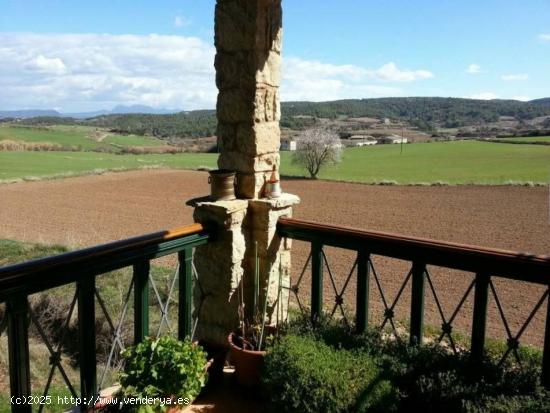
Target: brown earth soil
x=89, y=210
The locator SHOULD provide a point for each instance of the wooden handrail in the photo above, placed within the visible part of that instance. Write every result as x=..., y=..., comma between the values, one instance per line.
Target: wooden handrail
x=96, y=260
x=498, y=262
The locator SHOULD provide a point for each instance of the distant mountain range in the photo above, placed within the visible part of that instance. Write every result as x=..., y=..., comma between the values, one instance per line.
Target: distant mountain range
x=117, y=110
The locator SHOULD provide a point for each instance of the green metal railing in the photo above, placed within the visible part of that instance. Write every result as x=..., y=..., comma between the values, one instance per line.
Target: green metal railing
x=82, y=267
x=486, y=264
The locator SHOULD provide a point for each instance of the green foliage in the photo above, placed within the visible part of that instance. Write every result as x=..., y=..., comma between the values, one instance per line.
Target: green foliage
x=514, y=404
x=542, y=102
x=164, y=367
x=193, y=124
x=433, y=379
x=423, y=111
x=428, y=378
x=303, y=374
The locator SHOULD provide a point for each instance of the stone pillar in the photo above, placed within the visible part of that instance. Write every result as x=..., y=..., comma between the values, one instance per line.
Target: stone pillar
x=273, y=252
x=219, y=269
x=248, y=42
x=226, y=266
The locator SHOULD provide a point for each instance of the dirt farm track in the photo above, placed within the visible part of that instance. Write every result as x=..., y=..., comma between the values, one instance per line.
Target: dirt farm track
x=88, y=210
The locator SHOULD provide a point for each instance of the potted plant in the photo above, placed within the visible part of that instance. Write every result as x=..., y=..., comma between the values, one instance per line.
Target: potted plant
x=172, y=372
x=248, y=343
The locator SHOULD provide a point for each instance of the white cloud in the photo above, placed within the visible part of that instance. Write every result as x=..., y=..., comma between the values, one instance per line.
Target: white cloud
x=473, y=69
x=484, y=96
x=544, y=37
x=390, y=73
x=80, y=72
x=522, y=98
x=180, y=21
x=44, y=64
x=514, y=77
x=318, y=81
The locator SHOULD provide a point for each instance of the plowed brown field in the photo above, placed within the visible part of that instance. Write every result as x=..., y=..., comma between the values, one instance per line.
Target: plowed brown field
x=93, y=209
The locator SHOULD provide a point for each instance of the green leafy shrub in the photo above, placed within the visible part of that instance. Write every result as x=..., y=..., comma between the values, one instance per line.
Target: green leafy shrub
x=303, y=374
x=163, y=368
x=515, y=404
x=432, y=378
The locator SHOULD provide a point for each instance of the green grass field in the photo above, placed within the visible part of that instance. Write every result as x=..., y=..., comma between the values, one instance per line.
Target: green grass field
x=528, y=139
x=132, y=140
x=84, y=137
x=461, y=162
x=17, y=165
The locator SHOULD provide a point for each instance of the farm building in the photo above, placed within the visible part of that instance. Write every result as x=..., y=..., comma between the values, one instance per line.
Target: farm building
x=288, y=145
x=392, y=139
x=360, y=140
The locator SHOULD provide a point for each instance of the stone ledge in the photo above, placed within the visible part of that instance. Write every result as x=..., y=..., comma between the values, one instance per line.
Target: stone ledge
x=284, y=201
x=227, y=207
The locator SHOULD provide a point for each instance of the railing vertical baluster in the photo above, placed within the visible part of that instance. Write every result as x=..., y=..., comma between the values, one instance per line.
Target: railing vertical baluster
x=18, y=348
x=417, y=303
x=362, y=299
x=316, y=280
x=546, y=353
x=86, y=338
x=185, y=303
x=141, y=300
x=481, y=297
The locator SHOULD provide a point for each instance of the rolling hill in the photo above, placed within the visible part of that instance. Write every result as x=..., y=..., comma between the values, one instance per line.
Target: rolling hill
x=541, y=102
x=425, y=113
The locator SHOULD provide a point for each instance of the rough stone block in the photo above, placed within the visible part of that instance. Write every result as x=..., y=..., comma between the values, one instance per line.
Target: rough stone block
x=227, y=136
x=268, y=68
x=252, y=185
x=251, y=139
x=236, y=25
x=236, y=105
x=234, y=70
x=267, y=106
x=258, y=138
x=284, y=201
x=224, y=213
x=241, y=162
x=248, y=25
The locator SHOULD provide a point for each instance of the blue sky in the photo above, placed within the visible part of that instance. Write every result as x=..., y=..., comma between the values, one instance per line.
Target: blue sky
x=87, y=55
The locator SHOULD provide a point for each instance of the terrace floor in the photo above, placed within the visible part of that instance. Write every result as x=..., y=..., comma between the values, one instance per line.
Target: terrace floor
x=227, y=397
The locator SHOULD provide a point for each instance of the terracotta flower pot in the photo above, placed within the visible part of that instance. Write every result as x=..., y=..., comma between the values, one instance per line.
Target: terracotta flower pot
x=248, y=363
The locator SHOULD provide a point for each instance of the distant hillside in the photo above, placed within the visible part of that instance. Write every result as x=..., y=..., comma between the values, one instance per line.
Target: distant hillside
x=426, y=113
x=446, y=112
x=120, y=110
x=25, y=114
x=117, y=110
x=541, y=102
x=197, y=123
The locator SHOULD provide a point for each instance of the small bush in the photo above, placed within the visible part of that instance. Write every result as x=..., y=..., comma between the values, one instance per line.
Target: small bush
x=432, y=378
x=164, y=367
x=303, y=374
x=515, y=404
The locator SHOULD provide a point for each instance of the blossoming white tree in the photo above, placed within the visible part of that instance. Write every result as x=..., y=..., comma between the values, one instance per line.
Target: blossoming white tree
x=316, y=148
